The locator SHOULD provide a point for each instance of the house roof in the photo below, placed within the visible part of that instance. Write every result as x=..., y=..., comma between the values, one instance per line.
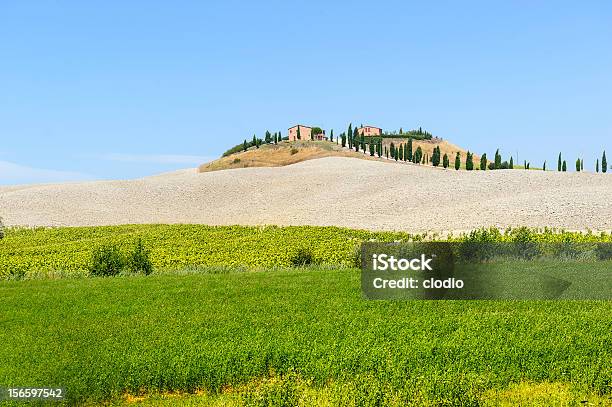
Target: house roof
x=372, y=127
x=301, y=125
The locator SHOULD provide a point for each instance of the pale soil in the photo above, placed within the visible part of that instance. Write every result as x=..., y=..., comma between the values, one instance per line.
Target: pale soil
x=328, y=191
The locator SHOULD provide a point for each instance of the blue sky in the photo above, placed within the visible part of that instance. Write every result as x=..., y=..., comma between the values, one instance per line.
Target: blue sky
x=98, y=90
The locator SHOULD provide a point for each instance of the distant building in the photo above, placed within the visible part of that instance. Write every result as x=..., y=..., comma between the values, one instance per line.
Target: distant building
x=305, y=133
x=369, y=131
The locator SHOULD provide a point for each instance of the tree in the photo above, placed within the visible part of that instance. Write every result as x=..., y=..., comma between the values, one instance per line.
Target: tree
x=483, y=162
x=299, y=136
x=268, y=137
x=255, y=141
x=356, y=139
x=581, y=164
x=564, y=166
x=331, y=135
x=445, y=161
x=409, y=149
x=245, y=146
x=544, y=166
x=275, y=138
x=349, y=133
x=578, y=165
x=597, y=166
x=524, y=164
x=371, y=149
x=418, y=156
x=392, y=150
x=528, y=165
x=559, y=163
x=604, y=163
x=343, y=136
x=497, y=160
x=458, y=161
x=511, y=165
x=401, y=152
x=435, y=159
x=469, y=162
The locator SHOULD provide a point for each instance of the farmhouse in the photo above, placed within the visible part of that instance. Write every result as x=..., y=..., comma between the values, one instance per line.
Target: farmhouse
x=305, y=133
x=369, y=131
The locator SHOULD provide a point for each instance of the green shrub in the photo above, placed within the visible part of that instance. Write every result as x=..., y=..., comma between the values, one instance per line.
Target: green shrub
x=138, y=260
x=1, y=229
x=303, y=257
x=106, y=261
x=604, y=251
x=294, y=151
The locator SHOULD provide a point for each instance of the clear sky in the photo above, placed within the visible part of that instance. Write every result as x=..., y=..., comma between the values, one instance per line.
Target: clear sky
x=122, y=89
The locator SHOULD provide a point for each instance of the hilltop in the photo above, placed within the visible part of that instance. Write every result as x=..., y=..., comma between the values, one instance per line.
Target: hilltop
x=292, y=152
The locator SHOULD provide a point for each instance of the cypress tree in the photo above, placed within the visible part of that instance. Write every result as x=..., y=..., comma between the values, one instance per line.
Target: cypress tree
x=597, y=166
x=418, y=156
x=350, y=134
x=604, y=163
x=245, y=146
x=255, y=141
x=401, y=152
x=331, y=135
x=268, y=137
x=445, y=161
x=497, y=160
x=544, y=166
x=528, y=165
x=578, y=165
x=564, y=166
x=356, y=139
x=371, y=149
x=469, y=162
x=525, y=164
x=392, y=150
x=559, y=163
x=343, y=136
x=435, y=160
x=483, y=162
x=299, y=136
x=409, y=149
x=511, y=165
x=457, y=161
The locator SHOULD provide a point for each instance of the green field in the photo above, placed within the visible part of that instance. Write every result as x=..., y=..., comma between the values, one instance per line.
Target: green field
x=51, y=252
x=225, y=320
x=295, y=336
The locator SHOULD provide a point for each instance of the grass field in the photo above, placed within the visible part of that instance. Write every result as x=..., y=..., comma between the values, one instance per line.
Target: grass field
x=49, y=252
x=299, y=336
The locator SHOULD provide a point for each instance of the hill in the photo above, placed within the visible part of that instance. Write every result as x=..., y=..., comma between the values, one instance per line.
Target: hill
x=287, y=153
x=330, y=191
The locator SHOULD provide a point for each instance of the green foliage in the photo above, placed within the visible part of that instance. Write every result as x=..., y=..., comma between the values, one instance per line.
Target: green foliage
x=106, y=261
x=498, y=159
x=435, y=159
x=469, y=162
x=445, y=161
x=299, y=134
x=242, y=147
x=302, y=257
x=410, y=158
x=544, y=166
x=317, y=130
x=458, y=161
x=511, y=165
x=604, y=163
x=371, y=149
x=343, y=138
x=273, y=338
x=564, y=166
x=597, y=166
x=51, y=251
x=1, y=229
x=483, y=162
x=578, y=165
x=559, y=163
x=138, y=260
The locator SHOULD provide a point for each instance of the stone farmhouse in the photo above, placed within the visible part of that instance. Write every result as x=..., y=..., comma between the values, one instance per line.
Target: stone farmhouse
x=305, y=132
